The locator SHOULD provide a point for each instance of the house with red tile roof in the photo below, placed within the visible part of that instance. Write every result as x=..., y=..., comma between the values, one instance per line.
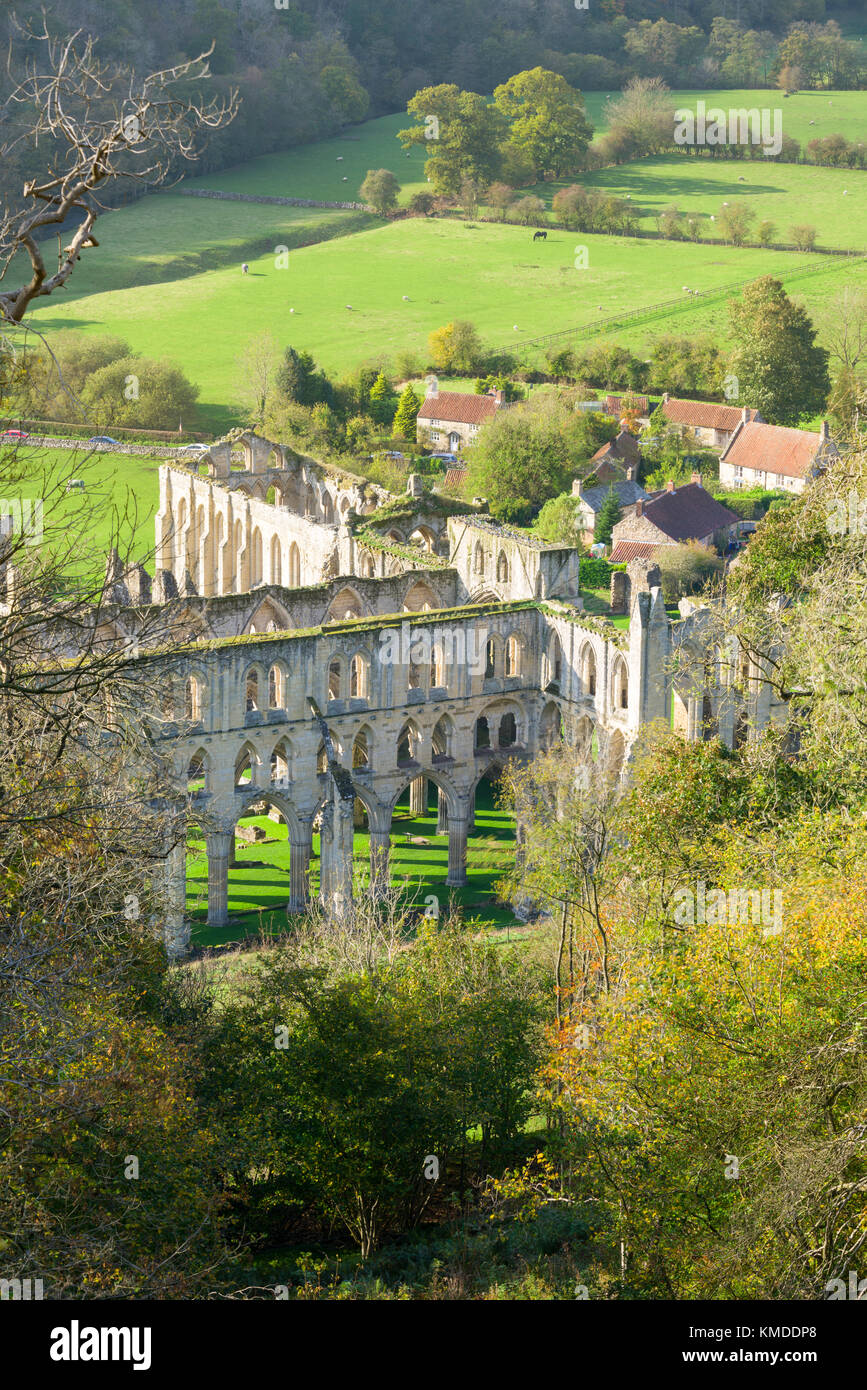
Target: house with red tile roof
x=772, y=456
x=623, y=452
x=672, y=517
x=637, y=406
x=709, y=423
x=450, y=420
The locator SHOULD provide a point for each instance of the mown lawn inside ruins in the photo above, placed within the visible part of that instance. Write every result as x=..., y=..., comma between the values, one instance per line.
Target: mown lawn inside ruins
x=259, y=884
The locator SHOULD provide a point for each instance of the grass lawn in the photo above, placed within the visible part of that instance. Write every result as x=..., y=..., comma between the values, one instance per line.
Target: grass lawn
x=318, y=170
x=121, y=491
x=491, y=274
x=258, y=894
x=785, y=193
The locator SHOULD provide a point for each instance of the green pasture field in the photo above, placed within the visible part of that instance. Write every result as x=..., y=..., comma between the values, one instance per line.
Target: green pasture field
x=119, y=501
x=511, y=288
x=318, y=170
x=258, y=894
x=834, y=201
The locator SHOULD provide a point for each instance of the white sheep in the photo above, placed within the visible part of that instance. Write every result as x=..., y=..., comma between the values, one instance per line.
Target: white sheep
x=339, y=158
x=406, y=297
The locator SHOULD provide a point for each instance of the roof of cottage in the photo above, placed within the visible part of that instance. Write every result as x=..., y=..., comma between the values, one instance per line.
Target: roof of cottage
x=776, y=449
x=628, y=492
x=458, y=408
x=706, y=415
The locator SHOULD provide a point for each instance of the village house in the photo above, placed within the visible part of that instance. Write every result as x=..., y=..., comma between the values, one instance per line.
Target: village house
x=636, y=406
x=709, y=424
x=772, y=456
x=623, y=453
x=590, y=499
x=673, y=517
x=452, y=419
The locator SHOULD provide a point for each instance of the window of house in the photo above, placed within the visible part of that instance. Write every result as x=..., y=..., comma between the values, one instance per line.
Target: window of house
x=435, y=436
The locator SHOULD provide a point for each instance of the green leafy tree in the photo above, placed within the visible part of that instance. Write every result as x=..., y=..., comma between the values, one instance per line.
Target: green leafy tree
x=382, y=400
x=405, y=416
x=781, y=370
x=138, y=393
x=463, y=133
x=345, y=92
x=607, y=517
x=456, y=348
x=298, y=379
x=380, y=189
x=526, y=455
x=734, y=221
x=559, y=523
x=548, y=121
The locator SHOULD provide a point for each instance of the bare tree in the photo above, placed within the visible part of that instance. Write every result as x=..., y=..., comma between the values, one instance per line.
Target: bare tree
x=101, y=125
x=844, y=327
x=257, y=367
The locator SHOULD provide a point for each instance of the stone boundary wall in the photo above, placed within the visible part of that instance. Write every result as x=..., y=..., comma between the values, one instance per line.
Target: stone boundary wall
x=282, y=202
x=70, y=442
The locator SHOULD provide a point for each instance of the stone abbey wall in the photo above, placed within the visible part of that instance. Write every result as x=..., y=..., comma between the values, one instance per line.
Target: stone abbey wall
x=465, y=648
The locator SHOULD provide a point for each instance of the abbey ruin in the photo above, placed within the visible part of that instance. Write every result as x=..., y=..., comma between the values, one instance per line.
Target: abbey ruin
x=332, y=644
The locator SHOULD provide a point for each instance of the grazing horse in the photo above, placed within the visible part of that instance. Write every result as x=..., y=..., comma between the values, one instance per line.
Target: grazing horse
x=542, y=235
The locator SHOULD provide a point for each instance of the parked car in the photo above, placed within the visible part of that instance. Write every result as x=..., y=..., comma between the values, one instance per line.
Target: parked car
x=394, y=454
x=445, y=458
x=104, y=439
x=194, y=449
x=15, y=434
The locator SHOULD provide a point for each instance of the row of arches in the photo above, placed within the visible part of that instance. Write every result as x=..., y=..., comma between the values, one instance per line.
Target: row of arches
x=499, y=726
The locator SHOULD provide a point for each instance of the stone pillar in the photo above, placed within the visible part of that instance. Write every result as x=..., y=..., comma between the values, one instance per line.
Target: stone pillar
x=219, y=843
x=299, y=869
x=335, y=865
x=442, y=813
x=457, y=874
x=418, y=797
x=380, y=847
x=176, y=929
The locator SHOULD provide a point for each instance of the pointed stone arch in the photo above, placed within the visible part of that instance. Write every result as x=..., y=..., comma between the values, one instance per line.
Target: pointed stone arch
x=420, y=598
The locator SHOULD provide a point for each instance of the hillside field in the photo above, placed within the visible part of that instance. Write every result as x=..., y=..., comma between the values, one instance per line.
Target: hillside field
x=319, y=170
x=494, y=275
x=834, y=201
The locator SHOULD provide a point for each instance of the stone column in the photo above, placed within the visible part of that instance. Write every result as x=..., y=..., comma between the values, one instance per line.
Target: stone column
x=442, y=813
x=336, y=856
x=457, y=874
x=418, y=797
x=176, y=929
x=358, y=813
x=219, y=844
x=380, y=847
x=299, y=869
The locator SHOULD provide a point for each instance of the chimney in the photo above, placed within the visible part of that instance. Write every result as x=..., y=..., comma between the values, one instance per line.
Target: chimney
x=745, y=416
x=669, y=486
x=629, y=472
x=498, y=397
x=825, y=432
x=433, y=386
x=696, y=478
x=639, y=507
x=665, y=397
